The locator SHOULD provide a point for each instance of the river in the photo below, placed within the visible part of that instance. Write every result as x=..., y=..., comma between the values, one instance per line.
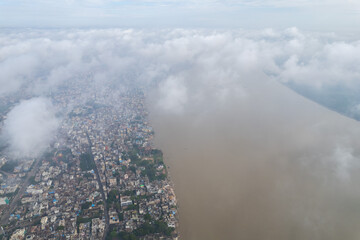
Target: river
x=268, y=165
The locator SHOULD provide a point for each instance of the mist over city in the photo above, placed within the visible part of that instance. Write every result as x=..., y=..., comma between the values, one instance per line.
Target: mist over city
x=125, y=122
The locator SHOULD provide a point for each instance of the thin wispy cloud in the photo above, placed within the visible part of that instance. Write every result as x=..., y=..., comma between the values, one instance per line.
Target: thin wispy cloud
x=333, y=15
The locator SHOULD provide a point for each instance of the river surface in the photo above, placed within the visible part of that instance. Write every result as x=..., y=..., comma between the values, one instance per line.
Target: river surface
x=270, y=165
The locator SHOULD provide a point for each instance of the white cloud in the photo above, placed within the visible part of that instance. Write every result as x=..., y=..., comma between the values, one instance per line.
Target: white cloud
x=30, y=127
x=344, y=160
x=173, y=94
x=208, y=62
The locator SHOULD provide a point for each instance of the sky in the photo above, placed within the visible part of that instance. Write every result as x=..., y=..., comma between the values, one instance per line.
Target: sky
x=317, y=15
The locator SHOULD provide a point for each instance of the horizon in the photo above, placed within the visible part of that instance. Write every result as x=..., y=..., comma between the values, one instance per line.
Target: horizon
x=330, y=15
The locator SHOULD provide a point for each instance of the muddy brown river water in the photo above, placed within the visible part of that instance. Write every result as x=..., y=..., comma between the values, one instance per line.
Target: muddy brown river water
x=272, y=165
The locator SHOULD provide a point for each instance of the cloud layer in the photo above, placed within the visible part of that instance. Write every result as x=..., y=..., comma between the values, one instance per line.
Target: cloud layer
x=186, y=60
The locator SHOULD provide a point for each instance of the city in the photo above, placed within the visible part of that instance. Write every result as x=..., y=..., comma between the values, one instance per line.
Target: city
x=101, y=179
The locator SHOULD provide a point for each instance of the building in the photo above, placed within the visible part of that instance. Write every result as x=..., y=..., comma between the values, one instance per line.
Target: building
x=4, y=201
x=19, y=234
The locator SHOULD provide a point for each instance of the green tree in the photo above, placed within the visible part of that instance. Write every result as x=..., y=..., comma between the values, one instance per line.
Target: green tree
x=87, y=162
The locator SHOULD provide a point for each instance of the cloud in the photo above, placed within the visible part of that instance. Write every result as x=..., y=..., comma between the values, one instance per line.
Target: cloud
x=344, y=162
x=220, y=61
x=173, y=95
x=183, y=67
x=30, y=127
x=334, y=15
x=296, y=3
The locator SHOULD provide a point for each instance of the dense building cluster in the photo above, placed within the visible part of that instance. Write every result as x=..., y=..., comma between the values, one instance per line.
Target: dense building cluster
x=102, y=178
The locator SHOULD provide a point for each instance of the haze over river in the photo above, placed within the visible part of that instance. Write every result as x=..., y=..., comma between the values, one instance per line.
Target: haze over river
x=265, y=164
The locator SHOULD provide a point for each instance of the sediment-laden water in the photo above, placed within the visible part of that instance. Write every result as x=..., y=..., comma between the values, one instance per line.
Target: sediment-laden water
x=268, y=165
